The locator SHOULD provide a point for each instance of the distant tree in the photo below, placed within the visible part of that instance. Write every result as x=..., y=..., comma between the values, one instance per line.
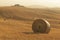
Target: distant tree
x=16, y=5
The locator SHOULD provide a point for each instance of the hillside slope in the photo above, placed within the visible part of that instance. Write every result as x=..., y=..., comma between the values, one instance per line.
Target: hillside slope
x=22, y=13
x=16, y=23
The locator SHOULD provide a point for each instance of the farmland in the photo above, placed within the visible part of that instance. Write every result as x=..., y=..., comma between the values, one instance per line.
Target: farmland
x=16, y=23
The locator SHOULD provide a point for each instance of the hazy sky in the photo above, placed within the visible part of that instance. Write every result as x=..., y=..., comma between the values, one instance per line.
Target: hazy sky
x=49, y=3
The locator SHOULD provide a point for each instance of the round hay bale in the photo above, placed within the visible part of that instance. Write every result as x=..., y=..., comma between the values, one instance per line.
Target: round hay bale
x=41, y=26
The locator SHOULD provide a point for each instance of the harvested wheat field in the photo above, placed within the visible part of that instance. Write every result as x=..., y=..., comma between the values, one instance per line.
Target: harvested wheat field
x=16, y=23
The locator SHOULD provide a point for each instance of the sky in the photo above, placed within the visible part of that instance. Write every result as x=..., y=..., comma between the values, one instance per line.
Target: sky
x=47, y=3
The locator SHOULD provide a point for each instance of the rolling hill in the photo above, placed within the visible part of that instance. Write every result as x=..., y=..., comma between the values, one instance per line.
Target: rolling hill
x=37, y=6
x=16, y=23
x=23, y=13
x=27, y=13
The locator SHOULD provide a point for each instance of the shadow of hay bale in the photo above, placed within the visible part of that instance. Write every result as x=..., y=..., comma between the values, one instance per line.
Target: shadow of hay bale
x=33, y=33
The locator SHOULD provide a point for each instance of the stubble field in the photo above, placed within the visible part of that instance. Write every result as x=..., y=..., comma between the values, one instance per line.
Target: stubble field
x=16, y=24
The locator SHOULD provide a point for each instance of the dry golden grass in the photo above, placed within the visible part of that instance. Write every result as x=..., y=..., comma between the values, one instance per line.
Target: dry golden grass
x=14, y=23
x=22, y=30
